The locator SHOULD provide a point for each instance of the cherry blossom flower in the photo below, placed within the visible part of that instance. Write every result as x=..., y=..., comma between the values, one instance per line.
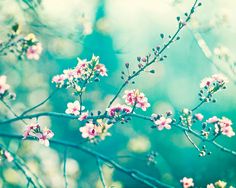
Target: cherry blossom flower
x=213, y=119
x=220, y=184
x=101, y=69
x=223, y=125
x=103, y=128
x=59, y=80
x=8, y=156
x=83, y=116
x=74, y=108
x=206, y=82
x=210, y=185
x=34, y=51
x=69, y=74
x=89, y=130
x=199, y=116
x=163, y=123
x=136, y=98
x=218, y=79
x=3, y=85
x=118, y=110
x=34, y=130
x=187, y=182
x=31, y=130
x=45, y=136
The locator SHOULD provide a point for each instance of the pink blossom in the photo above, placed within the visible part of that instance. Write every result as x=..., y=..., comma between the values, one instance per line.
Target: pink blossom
x=74, y=108
x=227, y=131
x=3, y=85
x=163, y=123
x=225, y=122
x=118, y=109
x=210, y=185
x=34, y=130
x=34, y=52
x=83, y=116
x=59, y=79
x=220, y=78
x=101, y=69
x=45, y=136
x=206, y=82
x=199, y=116
x=8, y=156
x=187, y=182
x=69, y=74
x=135, y=97
x=89, y=130
x=213, y=119
x=220, y=184
x=31, y=130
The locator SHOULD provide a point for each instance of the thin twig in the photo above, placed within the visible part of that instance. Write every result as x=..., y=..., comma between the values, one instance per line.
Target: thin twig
x=101, y=173
x=40, y=104
x=64, y=168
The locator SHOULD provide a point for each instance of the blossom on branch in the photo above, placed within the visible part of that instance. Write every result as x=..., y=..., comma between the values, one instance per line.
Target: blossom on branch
x=33, y=52
x=136, y=99
x=4, y=87
x=187, y=182
x=118, y=110
x=74, y=108
x=34, y=130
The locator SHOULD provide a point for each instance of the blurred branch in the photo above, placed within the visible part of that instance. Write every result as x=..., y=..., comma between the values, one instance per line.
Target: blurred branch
x=64, y=168
x=101, y=173
x=135, y=174
x=20, y=164
x=41, y=103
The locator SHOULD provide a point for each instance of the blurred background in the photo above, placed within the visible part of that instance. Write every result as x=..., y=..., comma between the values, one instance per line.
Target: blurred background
x=118, y=31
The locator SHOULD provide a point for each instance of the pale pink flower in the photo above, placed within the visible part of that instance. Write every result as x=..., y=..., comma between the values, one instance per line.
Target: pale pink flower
x=34, y=52
x=118, y=110
x=69, y=74
x=89, y=130
x=227, y=131
x=220, y=184
x=210, y=185
x=8, y=156
x=187, y=182
x=225, y=122
x=135, y=97
x=3, y=85
x=101, y=69
x=74, y=108
x=199, y=116
x=206, y=82
x=220, y=78
x=83, y=116
x=213, y=119
x=163, y=123
x=59, y=79
x=31, y=130
x=45, y=136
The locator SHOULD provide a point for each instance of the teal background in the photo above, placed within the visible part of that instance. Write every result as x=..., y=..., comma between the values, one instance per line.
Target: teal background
x=121, y=31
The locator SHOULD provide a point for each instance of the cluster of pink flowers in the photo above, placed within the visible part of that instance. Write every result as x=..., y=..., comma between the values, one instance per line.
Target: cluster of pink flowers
x=118, y=110
x=136, y=98
x=85, y=70
x=162, y=121
x=223, y=125
x=4, y=87
x=187, y=182
x=34, y=48
x=74, y=108
x=214, y=80
x=93, y=130
x=43, y=136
